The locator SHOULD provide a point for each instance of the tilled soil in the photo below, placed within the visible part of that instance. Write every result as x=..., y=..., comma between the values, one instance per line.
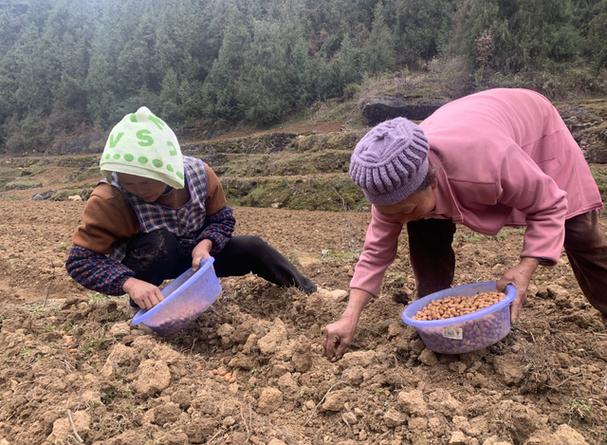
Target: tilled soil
x=251, y=370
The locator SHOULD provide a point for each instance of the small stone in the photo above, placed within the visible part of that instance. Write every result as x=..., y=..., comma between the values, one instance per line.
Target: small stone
x=164, y=353
x=164, y=414
x=416, y=346
x=565, y=435
x=394, y=418
x=287, y=383
x=461, y=422
x=62, y=428
x=270, y=400
x=395, y=329
x=277, y=335
x=428, y=358
x=250, y=344
x=339, y=294
x=458, y=367
x=445, y=403
x=120, y=356
x=153, y=377
x=132, y=437
x=353, y=375
x=276, y=442
x=335, y=400
x=91, y=396
x=477, y=426
x=458, y=438
x=228, y=421
x=358, y=358
x=510, y=368
x=243, y=361
x=225, y=332
x=302, y=361
x=418, y=423
x=495, y=440
x=167, y=438
x=41, y=197
x=310, y=404
x=412, y=402
x=120, y=329
x=349, y=418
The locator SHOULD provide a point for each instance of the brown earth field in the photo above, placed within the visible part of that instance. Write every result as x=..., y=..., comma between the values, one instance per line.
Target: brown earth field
x=251, y=369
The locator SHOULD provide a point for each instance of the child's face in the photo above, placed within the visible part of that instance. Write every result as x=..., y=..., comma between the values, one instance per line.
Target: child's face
x=147, y=189
x=417, y=206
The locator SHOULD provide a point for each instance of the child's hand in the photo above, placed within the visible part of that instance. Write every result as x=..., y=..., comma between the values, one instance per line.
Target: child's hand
x=201, y=252
x=144, y=294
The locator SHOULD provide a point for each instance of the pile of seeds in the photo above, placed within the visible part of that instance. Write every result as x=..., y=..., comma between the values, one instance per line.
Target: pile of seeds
x=456, y=306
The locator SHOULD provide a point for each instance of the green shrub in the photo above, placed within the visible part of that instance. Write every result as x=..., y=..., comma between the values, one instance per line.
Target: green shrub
x=22, y=184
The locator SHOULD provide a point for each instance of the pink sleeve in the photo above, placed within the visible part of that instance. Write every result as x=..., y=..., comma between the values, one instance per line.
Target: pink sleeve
x=527, y=188
x=378, y=253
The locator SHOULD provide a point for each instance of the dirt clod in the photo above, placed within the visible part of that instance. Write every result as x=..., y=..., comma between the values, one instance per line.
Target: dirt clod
x=358, y=358
x=270, y=400
x=335, y=401
x=153, y=377
x=394, y=418
x=62, y=428
x=428, y=358
x=412, y=402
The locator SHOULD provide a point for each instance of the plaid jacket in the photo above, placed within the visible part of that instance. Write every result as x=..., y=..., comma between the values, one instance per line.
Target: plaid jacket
x=186, y=222
x=189, y=223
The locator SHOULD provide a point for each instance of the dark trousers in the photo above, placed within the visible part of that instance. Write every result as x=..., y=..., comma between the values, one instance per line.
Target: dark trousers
x=433, y=259
x=158, y=256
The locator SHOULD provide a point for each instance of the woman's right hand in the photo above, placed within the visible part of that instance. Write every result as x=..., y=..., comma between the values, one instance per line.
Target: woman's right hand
x=339, y=335
x=144, y=294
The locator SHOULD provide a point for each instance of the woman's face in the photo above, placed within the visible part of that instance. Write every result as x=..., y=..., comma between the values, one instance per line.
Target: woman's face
x=416, y=206
x=147, y=189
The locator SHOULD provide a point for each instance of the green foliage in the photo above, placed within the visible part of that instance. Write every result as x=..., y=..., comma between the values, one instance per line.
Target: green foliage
x=380, y=54
x=600, y=176
x=514, y=35
x=333, y=193
x=22, y=184
x=69, y=67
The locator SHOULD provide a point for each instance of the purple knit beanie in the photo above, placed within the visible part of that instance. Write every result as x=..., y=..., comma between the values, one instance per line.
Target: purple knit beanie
x=390, y=162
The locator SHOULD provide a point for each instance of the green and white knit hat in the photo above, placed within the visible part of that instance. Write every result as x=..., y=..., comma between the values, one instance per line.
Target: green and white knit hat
x=141, y=144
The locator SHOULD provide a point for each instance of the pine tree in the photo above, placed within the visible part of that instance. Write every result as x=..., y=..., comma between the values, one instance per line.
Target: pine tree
x=379, y=51
x=220, y=90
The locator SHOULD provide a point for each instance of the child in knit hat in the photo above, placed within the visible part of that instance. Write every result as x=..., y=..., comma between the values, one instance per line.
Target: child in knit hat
x=498, y=158
x=156, y=214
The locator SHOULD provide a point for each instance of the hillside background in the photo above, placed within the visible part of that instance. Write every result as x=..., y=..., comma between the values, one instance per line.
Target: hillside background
x=69, y=69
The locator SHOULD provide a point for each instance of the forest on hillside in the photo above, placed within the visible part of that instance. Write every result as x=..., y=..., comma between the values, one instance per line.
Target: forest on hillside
x=76, y=66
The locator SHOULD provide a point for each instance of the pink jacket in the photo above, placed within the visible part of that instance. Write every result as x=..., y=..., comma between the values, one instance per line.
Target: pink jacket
x=503, y=157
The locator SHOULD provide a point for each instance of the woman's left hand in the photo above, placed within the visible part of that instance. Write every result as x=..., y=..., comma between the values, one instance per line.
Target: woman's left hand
x=201, y=252
x=519, y=276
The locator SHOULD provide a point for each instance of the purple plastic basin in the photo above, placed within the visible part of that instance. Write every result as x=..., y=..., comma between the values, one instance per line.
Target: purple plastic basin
x=185, y=298
x=468, y=332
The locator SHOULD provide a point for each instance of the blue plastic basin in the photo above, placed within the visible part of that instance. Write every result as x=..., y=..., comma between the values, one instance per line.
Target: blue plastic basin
x=468, y=332
x=185, y=298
